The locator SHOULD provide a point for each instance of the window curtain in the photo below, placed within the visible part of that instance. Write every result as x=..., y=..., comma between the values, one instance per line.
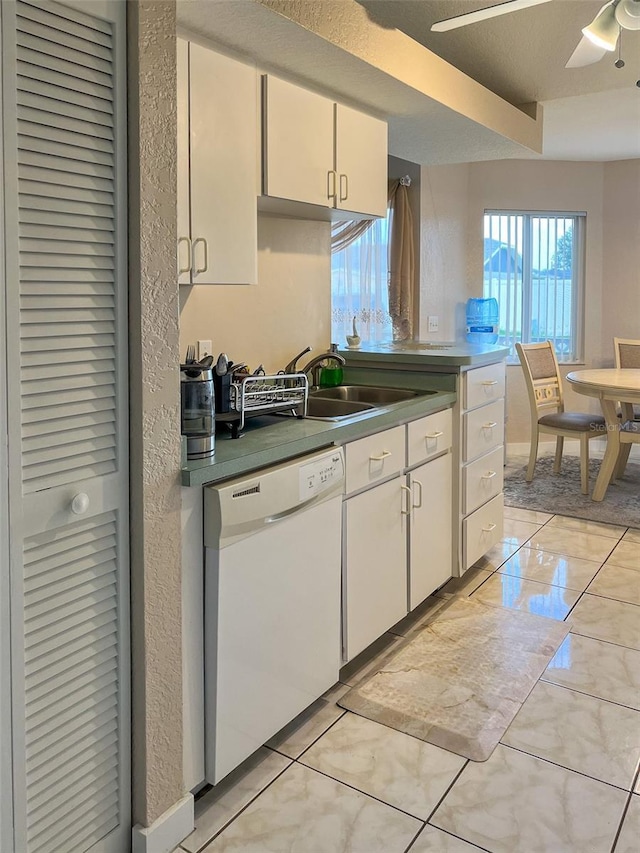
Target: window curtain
x=373, y=272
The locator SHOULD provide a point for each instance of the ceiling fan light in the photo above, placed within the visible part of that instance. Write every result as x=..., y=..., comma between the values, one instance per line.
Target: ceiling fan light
x=628, y=14
x=604, y=29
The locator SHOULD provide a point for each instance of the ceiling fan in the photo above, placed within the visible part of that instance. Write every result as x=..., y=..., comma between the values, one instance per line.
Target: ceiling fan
x=598, y=38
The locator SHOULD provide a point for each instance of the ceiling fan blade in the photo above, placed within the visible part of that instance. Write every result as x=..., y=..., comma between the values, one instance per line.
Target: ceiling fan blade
x=483, y=14
x=586, y=53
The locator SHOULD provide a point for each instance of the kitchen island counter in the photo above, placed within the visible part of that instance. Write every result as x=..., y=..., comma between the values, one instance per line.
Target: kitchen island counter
x=424, y=355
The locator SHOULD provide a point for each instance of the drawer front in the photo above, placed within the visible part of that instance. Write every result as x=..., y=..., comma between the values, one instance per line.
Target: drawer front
x=481, y=531
x=483, y=430
x=374, y=458
x=483, y=385
x=482, y=479
x=428, y=437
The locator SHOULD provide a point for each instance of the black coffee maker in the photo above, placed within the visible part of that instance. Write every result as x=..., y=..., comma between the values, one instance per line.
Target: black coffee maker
x=197, y=408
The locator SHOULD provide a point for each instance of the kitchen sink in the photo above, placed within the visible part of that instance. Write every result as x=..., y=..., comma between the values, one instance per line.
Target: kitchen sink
x=364, y=394
x=332, y=409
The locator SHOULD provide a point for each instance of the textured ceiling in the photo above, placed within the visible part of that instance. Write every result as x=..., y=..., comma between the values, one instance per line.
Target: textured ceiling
x=519, y=56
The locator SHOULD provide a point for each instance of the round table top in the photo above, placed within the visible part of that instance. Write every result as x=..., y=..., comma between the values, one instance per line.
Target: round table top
x=610, y=379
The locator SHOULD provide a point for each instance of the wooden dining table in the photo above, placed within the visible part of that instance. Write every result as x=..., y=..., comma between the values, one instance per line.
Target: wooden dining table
x=610, y=386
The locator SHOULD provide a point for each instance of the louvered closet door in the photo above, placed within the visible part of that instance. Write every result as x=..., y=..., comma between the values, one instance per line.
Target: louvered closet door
x=65, y=203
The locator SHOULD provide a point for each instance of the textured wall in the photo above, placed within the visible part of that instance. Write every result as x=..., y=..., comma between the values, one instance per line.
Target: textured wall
x=155, y=421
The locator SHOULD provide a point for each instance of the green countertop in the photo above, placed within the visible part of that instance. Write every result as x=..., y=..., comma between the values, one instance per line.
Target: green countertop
x=274, y=438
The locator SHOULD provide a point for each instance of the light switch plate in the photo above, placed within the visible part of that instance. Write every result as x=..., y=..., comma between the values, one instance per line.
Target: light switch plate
x=432, y=320
x=204, y=348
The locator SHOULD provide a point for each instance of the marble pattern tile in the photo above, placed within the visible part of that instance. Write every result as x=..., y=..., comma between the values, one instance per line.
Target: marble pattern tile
x=606, y=619
x=393, y=767
x=496, y=556
x=617, y=582
x=518, y=532
x=595, y=528
x=531, y=515
x=579, y=732
x=630, y=833
x=631, y=535
x=515, y=802
x=600, y=669
x=306, y=812
x=419, y=617
x=554, y=569
x=529, y=596
x=301, y=732
x=572, y=543
x=223, y=802
x=434, y=840
x=465, y=585
x=459, y=682
x=627, y=554
x=370, y=659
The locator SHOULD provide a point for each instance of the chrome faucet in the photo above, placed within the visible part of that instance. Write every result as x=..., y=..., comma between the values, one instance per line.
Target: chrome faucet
x=312, y=369
x=291, y=367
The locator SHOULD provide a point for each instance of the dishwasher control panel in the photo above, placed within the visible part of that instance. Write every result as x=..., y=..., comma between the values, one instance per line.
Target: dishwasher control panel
x=319, y=475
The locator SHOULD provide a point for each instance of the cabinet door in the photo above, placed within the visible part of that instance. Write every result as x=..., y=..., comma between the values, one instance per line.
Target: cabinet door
x=183, y=213
x=430, y=552
x=375, y=579
x=361, y=162
x=223, y=186
x=298, y=143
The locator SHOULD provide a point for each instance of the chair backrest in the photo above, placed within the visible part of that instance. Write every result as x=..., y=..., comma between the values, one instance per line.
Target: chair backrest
x=542, y=375
x=627, y=353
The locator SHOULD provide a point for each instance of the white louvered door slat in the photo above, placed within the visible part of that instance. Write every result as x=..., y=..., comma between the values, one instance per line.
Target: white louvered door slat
x=64, y=143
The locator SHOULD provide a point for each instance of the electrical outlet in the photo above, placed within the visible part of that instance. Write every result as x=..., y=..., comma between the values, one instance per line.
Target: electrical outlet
x=204, y=348
x=433, y=323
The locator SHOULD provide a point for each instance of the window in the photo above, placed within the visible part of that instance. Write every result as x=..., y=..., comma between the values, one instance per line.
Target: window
x=360, y=286
x=533, y=266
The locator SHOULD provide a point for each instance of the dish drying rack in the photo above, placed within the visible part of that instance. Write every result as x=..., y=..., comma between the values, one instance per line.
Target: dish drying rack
x=250, y=396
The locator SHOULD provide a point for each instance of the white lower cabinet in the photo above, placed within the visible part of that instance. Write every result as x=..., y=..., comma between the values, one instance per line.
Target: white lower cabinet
x=375, y=564
x=430, y=540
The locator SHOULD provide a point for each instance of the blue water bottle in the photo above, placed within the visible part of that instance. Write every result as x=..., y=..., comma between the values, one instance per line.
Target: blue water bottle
x=482, y=321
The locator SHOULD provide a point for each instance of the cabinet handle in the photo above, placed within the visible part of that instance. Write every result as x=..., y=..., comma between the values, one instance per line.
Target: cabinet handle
x=489, y=528
x=434, y=434
x=383, y=455
x=419, y=484
x=407, y=491
x=489, y=382
x=345, y=196
x=490, y=425
x=186, y=240
x=489, y=475
x=331, y=183
x=198, y=270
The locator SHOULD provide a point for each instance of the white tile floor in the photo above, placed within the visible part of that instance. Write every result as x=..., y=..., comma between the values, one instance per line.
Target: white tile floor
x=564, y=778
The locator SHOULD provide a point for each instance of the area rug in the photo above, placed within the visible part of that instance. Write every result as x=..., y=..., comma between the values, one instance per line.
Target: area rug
x=560, y=493
x=461, y=680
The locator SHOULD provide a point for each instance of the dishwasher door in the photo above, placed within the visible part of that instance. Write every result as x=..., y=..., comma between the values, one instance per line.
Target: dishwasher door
x=272, y=602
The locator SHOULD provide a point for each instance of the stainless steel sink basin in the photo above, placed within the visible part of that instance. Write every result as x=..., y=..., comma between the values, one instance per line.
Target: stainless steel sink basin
x=364, y=394
x=332, y=409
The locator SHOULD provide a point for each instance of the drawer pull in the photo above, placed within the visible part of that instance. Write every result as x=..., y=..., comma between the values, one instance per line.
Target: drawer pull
x=434, y=435
x=489, y=475
x=489, y=528
x=384, y=455
x=490, y=425
x=406, y=490
x=488, y=382
x=419, y=502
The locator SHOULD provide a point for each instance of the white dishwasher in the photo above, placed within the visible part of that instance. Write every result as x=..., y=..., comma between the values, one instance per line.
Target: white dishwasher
x=272, y=601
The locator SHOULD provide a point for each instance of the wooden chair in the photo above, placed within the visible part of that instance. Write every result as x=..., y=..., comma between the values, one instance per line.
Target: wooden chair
x=627, y=355
x=544, y=386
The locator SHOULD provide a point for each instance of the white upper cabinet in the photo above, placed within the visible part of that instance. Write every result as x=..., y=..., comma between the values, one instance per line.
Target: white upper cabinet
x=361, y=162
x=217, y=168
x=321, y=153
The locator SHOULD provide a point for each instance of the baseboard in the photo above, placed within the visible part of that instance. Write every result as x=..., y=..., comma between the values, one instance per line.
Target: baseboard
x=571, y=448
x=165, y=833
